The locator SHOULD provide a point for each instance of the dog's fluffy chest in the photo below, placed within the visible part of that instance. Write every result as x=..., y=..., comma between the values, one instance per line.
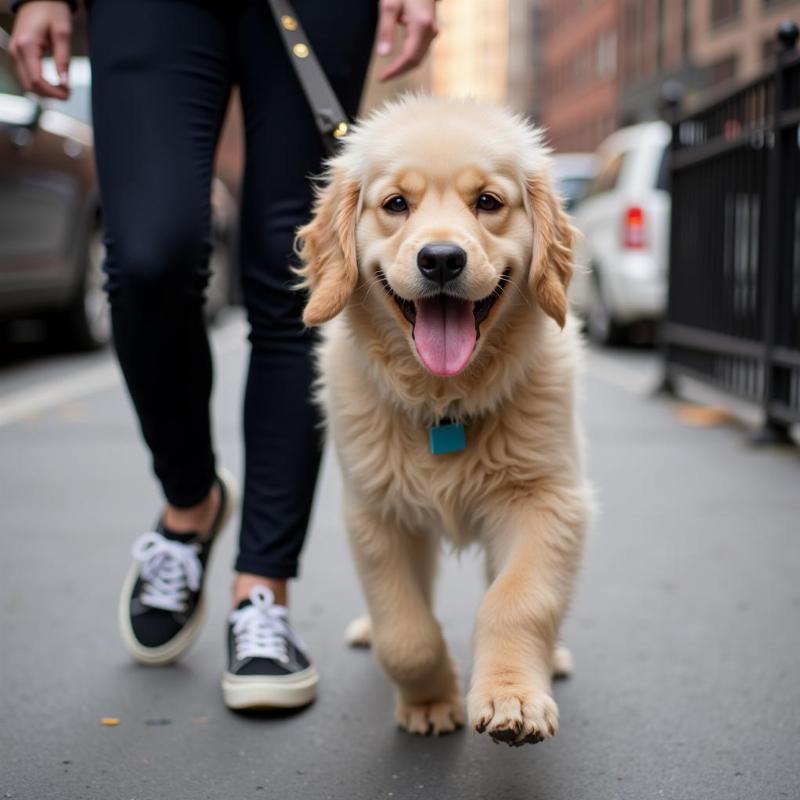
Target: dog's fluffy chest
x=513, y=451
x=396, y=472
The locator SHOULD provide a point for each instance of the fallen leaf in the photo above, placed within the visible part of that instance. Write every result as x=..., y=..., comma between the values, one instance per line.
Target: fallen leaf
x=109, y=722
x=702, y=416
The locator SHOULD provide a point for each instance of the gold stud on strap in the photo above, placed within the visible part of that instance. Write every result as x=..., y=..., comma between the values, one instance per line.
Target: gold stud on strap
x=290, y=23
x=300, y=50
x=340, y=130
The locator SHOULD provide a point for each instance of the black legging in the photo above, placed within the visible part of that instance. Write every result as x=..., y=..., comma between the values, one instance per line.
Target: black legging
x=162, y=75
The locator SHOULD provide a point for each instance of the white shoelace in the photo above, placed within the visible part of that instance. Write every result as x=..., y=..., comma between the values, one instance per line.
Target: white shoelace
x=169, y=570
x=262, y=629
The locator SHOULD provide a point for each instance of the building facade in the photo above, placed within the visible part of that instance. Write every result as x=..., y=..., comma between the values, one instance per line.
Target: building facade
x=608, y=63
x=706, y=46
x=655, y=46
x=733, y=39
x=487, y=49
x=579, y=86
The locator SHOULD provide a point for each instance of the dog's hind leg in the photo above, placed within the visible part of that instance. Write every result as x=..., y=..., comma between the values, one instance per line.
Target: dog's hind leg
x=562, y=662
x=397, y=569
x=359, y=632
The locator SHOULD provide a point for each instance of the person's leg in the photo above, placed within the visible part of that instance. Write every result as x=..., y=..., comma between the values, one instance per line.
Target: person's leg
x=161, y=79
x=282, y=433
x=267, y=663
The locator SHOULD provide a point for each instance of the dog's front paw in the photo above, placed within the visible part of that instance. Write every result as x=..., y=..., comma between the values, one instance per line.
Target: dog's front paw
x=514, y=715
x=437, y=717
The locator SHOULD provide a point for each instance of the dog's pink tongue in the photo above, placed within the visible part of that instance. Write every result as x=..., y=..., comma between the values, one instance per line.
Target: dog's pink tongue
x=444, y=333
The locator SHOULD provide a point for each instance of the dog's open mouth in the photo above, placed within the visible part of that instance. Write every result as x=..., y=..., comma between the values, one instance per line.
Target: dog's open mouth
x=445, y=329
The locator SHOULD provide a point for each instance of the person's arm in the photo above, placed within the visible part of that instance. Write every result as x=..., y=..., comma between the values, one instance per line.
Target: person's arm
x=418, y=17
x=42, y=27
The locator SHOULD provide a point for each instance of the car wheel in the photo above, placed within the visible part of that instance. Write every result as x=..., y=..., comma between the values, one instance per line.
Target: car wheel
x=600, y=323
x=87, y=320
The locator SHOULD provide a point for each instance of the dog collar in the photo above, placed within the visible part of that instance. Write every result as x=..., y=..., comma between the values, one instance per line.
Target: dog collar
x=447, y=437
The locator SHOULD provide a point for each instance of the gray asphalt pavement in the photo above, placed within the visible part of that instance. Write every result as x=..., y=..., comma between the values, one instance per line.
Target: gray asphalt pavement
x=685, y=628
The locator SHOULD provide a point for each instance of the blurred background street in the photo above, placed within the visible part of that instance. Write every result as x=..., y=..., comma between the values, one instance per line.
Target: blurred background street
x=676, y=134
x=683, y=630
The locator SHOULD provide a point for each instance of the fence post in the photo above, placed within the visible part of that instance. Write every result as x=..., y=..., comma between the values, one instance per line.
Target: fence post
x=774, y=431
x=672, y=97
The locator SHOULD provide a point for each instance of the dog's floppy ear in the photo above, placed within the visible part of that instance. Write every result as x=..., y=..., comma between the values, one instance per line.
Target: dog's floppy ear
x=327, y=248
x=551, y=268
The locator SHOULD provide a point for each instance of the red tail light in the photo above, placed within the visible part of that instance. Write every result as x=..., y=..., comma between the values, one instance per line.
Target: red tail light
x=633, y=232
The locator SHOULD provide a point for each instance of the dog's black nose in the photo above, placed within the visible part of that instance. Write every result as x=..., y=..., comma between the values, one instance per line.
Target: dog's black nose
x=441, y=261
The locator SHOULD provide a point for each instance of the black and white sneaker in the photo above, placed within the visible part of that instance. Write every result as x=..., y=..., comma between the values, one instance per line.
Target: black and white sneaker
x=161, y=606
x=268, y=664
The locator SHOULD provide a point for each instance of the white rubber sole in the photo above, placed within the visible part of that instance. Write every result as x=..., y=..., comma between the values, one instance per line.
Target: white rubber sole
x=258, y=691
x=177, y=646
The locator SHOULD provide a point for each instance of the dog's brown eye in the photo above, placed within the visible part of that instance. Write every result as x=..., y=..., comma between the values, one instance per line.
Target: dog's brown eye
x=396, y=204
x=488, y=202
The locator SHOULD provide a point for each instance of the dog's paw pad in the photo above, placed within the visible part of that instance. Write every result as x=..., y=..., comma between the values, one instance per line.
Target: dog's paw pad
x=516, y=719
x=562, y=662
x=359, y=632
x=438, y=717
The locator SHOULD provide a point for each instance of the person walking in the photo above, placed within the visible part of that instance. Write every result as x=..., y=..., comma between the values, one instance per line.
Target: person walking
x=162, y=73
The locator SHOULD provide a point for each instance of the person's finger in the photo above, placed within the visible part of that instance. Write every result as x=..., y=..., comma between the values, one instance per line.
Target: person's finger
x=16, y=54
x=62, y=47
x=32, y=52
x=32, y=56
x=390, y=11
x=420, y=33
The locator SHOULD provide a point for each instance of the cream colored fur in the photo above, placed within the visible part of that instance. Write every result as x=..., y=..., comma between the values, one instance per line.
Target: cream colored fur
x=518, y=490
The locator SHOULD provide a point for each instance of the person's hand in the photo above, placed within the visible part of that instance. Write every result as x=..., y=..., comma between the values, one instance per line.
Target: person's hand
x=42, y=27
x=418, y=17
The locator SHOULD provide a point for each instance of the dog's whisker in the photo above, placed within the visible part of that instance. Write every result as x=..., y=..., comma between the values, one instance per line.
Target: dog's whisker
x=371, y=283
x=509, y=281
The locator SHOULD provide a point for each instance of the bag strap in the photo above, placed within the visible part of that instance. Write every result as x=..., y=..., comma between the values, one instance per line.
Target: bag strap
x=328, y=113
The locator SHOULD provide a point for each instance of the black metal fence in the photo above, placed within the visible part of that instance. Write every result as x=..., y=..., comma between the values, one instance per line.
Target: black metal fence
x=734, y=289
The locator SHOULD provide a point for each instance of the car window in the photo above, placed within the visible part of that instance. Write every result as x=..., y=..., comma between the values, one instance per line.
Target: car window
x=572, y=189
x=15, y=108
x=662, y=177
x=79, y=102
x=78, y=105
x=8, y=80
x=608, y=175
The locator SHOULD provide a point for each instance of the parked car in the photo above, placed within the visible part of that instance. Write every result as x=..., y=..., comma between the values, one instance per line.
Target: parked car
x=624, y=220
x=574, y=173
x=50, y=243
x=224, y=212
x=51, y=246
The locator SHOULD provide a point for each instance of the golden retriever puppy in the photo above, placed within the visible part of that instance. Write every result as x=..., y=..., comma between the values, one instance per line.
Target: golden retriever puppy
x=447, y=378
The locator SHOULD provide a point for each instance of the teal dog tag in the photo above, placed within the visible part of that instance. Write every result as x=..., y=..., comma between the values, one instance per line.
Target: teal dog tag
x=446, y=438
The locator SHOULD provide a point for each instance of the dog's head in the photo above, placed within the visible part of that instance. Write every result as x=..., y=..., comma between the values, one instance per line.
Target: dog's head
x=440, y=216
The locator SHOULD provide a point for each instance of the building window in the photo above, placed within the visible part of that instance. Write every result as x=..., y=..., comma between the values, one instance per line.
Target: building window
x=724, y=10
x=606, y=55
x=768, y=50
x=633, y=43
x=686, y=31
x=722, y=71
